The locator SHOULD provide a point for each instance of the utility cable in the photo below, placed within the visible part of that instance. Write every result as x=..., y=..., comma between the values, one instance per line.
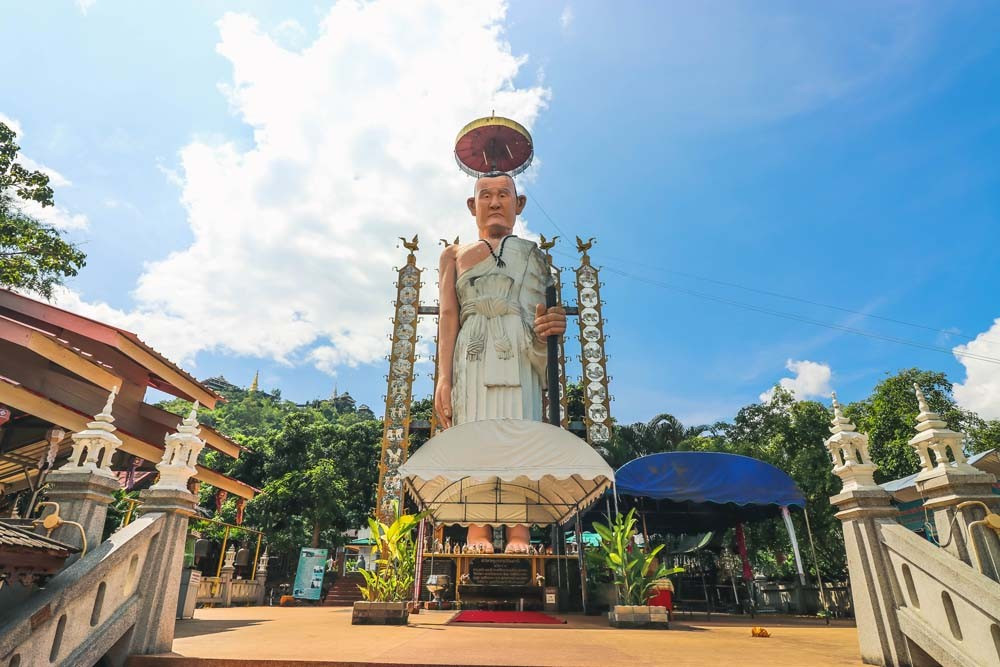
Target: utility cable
x=799, y=318
x=779, y=295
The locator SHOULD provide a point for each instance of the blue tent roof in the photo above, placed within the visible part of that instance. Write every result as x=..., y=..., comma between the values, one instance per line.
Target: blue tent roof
x=707, y=477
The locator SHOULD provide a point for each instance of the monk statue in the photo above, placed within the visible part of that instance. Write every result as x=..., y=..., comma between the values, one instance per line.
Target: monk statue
x=493, y=326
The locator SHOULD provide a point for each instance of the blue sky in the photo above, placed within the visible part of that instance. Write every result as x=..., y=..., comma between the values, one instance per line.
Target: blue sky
x=238, y=174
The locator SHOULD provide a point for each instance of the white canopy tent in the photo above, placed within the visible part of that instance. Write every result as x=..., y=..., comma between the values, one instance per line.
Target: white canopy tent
x=505, y=472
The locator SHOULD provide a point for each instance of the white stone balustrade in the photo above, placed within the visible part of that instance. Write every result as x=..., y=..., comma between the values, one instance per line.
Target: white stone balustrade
x=849, y=451
x=94, y=447
x=180, y=455
x=933, y=441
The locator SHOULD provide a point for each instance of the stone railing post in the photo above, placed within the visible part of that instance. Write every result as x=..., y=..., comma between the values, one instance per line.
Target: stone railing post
x=226, y=575
x=84, y=486
x=863, y=508
x=261, y=577
x=154, y=626
x=945, y=484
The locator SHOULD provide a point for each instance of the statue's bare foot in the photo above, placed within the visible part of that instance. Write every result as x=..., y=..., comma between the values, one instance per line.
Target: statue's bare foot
x=480, y=539
x=481, y=547
x=518, y=540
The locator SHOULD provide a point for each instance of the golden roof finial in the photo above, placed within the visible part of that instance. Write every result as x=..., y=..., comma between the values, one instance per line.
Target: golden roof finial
x=254, y=385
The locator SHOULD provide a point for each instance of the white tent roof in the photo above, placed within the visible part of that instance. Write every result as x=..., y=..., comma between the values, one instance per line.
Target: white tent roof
x=505, y=471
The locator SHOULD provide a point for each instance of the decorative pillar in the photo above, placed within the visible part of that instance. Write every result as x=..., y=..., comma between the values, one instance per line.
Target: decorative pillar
x=396, y=431
x=945, y=484
x=261, y=577
x=84, y=486
x=169, y=497
x=596, y=400
x=849, y=452
x=228, y=567
x=863, y=508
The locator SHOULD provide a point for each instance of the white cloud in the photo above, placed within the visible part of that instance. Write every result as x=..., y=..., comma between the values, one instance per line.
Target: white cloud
x=85, y=5
x=294, y=239
x=57, y=216
x=812, y=380
x=981, y=390
x=566, y=18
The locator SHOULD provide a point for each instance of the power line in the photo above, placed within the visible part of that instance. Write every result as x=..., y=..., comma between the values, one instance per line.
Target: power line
x=799, y=318
x=956, y=333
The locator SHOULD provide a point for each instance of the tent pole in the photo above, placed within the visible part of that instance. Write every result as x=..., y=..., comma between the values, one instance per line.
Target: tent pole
x=614, y=492
x=787, y=517
x=812, y=544
x=419, y=572
x=580, y=561
x=555, y=551
x=645, y=533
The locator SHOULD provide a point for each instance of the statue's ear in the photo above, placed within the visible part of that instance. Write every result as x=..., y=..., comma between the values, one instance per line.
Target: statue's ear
x=471, y=203
x=521, y=201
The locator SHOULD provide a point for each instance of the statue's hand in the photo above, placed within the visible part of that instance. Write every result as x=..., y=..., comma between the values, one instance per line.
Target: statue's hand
x=442, y=402
x=551, y=322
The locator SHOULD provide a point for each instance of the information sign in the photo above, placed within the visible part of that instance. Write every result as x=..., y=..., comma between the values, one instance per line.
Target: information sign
x=309, y=575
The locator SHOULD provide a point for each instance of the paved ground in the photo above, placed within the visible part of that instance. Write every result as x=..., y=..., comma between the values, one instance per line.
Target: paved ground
x=326, y=634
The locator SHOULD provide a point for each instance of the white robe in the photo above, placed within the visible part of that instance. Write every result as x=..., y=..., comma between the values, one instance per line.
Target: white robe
x=499, y=364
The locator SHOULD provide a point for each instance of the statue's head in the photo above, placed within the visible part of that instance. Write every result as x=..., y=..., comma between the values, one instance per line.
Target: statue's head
x=495, y=204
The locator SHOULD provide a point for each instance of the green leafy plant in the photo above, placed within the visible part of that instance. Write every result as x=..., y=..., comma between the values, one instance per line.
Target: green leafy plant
x=395, y=565
x=634, y=571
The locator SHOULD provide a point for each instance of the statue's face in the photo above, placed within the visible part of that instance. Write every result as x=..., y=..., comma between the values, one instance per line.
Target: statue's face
x=495, y=204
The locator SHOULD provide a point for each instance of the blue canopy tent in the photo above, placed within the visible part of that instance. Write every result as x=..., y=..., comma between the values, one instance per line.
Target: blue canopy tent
x=696, y=492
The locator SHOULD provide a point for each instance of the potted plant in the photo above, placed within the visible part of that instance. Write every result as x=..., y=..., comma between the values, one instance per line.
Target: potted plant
x=389, y=587
x=634, y=573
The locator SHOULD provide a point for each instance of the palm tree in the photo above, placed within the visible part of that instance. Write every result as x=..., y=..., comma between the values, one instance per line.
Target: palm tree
x=662, y=433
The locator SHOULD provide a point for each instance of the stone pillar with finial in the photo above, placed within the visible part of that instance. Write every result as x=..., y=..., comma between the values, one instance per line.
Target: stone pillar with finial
x=226, y=576
x=261, y=576
x=862, y=507
x=946, y=481
x=169, y=497
x=85, y=485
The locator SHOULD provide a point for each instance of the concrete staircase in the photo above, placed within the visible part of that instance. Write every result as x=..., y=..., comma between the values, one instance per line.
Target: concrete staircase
x=344, y=592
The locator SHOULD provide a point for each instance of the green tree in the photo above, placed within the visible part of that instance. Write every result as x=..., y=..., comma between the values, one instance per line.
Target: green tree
x=789, y=434
x=889, y=417
x=33, y=256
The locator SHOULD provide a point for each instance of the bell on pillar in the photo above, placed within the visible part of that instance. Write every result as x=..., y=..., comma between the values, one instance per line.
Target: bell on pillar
x=933, y=440
x=94, y=447
x=849, y=451
x=180, y=455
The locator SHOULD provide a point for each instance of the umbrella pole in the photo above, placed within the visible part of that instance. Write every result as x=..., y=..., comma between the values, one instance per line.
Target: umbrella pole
x=581, y=561
x=555, y=552
x=553, y=363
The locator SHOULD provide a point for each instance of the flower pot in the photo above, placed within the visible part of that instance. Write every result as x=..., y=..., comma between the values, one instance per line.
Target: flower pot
x=380, y=613
x=627, y=616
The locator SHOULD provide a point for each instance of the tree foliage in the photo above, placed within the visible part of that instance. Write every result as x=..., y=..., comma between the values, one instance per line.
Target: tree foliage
x=789, y=434
x=316, y=466
x=33, y=256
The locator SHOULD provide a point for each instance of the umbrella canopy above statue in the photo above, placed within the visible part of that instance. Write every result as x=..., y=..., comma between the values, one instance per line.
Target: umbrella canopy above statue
x=505, y=471
x=694, y=492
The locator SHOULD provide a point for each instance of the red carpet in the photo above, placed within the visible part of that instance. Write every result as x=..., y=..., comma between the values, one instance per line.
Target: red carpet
x=472, y=616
